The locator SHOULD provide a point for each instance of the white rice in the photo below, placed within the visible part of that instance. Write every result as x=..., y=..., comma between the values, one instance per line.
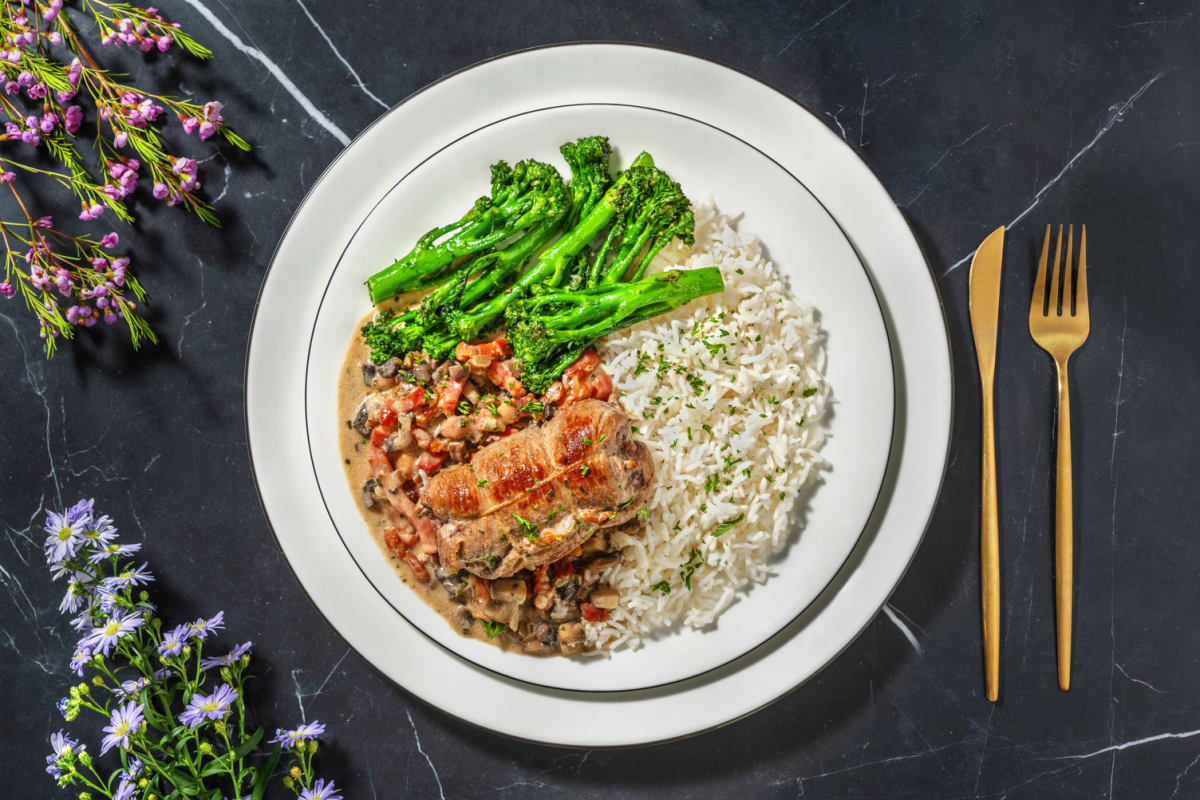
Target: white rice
x=750, y=414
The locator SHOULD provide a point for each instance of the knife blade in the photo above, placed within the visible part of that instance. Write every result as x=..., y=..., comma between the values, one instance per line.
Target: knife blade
x=984, y=303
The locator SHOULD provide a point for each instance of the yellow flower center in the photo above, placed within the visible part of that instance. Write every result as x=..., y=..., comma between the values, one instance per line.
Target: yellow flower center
x=121, y=730
x=112, y=628
x=64, y=533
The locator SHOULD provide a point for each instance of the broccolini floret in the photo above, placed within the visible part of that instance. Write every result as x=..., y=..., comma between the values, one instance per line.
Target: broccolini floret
x=549, y=331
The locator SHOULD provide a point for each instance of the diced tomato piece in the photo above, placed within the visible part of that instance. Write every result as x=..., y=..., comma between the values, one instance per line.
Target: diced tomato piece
x=378, y=461
x=601, y=385
x=584, y=365
x=509, y=431
x=423, y=415
x=378, y=436
x=450, y=393
x=497, y=348
x=429, y=462
x=563, y=567
x=554, y=393
x=388, y=419
x=412, y=400
x=593, y=614
x=463, y=351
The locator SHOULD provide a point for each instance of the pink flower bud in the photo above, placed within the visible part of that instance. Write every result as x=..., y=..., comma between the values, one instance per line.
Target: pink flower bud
x=8, y=176
x=120, y=139
x=207, y=129
x=164, y=43
x=160, y=190
x=7, y=289
x=109, y=240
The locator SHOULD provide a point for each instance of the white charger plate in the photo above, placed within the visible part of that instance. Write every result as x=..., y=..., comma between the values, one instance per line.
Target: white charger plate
x=730, y=107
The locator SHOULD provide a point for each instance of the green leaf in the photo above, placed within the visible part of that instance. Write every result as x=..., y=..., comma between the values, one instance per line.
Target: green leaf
x=216, y=766
x=248, y=745
x=727, y=525
x=264, y=776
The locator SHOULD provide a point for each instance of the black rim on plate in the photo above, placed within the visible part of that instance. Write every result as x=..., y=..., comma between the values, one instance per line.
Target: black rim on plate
x=890, y=465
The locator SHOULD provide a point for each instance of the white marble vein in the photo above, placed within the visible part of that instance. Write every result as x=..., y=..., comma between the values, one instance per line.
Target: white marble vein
x=1116, y=748
x=810, y=28
x=432, y=768
x=1132, y=679
x=301, y=694
x=338, y=55
x=1116, y=114
x=187, y=320
x=894, y=615
x=273, y=68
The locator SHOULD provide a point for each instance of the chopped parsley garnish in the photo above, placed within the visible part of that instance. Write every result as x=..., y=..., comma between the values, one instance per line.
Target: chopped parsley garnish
x=492, y=561
x=676, y=528
x=528, y=529
x=654, y=401
x=533, y=407
x=727, y=525
x=711, y=483
x=809, y=392
x=464, y=407
x=602, y=437
x=642, y=513
x=695, y=560
x=626, y=504
x=587, y=440
x=493, y=628
x=642, y=362
x=663, y=587
x=481, y=483
x=706, y=426
x=584, y=469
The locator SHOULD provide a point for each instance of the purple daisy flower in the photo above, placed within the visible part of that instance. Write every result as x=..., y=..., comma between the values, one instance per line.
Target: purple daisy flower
x=82, y=510
x=320, y=790
x=125, y=722
x=213, y=706
x=227, y=659
x=173, y=640
x=309, y=730
x=61, y=705
x=201, y=628
x=133, y=770
x=100, y=532
x=61, y=745
x=83, y=620
x=136, y=576
x=114, y=628
x=63, y=536
x=83, y=654
x=75, y=597
x=112, y=549
x=125, y=790
x=129, y=689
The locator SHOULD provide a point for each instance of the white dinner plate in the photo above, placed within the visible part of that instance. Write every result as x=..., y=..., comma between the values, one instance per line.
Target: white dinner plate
x=721, y=134
x=802, y=238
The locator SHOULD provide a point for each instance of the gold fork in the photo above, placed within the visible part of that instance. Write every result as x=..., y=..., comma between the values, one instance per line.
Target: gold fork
x=1059, y=322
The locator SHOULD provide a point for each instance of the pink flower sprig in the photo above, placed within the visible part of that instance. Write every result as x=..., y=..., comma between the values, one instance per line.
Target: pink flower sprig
x=53, y=93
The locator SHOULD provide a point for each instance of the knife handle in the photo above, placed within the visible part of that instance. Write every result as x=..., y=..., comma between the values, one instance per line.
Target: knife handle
x=989, y=561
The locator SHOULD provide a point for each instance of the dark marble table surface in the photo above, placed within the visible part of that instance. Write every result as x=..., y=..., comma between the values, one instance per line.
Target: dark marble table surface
x=973, y=115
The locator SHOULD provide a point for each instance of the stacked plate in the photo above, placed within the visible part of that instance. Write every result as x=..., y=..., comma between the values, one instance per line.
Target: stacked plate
x=829, y=226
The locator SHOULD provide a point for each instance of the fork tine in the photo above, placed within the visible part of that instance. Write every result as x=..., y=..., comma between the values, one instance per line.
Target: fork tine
x=1054, y=281
x=1037, y=306
x=1068, y=297
x=1081, y=293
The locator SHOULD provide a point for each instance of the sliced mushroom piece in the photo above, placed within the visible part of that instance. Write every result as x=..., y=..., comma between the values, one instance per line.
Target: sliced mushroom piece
x=389, y=368
x=359, y=423
x=421, y=373
x=368, y=372
x=456, y=371
x=536, y=646
x=368, y=492
x=457, y=451
x=509, y=590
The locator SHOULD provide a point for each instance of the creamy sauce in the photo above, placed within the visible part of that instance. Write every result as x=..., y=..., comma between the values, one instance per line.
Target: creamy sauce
x=351, y=391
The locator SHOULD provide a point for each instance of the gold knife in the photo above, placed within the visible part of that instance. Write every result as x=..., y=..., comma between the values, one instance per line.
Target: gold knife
x=985, y=312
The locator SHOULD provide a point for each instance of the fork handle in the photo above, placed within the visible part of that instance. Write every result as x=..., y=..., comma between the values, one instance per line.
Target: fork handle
x=1064, y=531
